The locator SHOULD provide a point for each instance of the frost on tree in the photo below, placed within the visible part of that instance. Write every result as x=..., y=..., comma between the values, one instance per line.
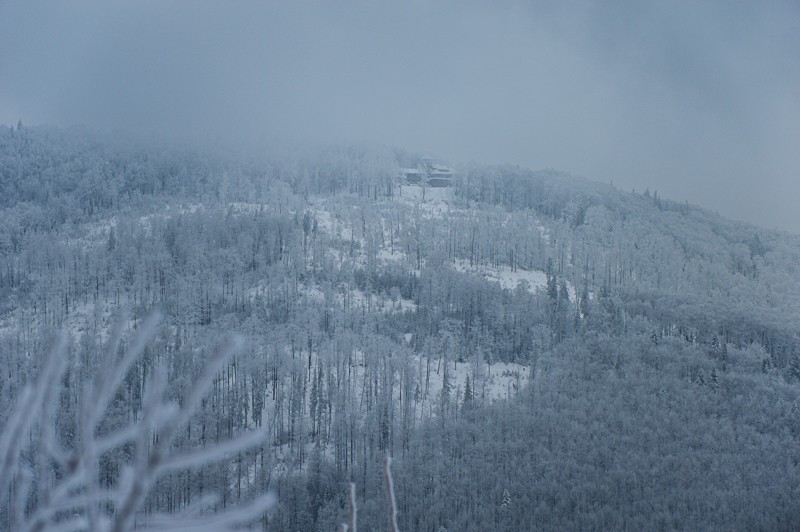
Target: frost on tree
x=52, y=487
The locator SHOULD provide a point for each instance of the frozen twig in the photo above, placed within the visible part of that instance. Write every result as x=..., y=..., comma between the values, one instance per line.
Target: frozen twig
x=350, y=526
x=26, y=411
x=207, y=455
x=222, y=521
x=392, y=503
x=73, y=500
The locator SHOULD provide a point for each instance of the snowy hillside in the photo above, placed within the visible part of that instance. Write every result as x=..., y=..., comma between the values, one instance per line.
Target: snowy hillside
x=600, y=359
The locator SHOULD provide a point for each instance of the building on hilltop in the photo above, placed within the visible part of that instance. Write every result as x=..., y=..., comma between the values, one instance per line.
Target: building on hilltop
x=429, y=173
x=413, y=176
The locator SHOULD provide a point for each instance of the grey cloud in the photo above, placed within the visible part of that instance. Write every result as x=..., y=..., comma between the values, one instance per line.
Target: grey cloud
x=696, y=100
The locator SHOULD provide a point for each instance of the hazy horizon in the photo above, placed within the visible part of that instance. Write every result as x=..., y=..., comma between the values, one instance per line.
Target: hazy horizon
x=697, y=102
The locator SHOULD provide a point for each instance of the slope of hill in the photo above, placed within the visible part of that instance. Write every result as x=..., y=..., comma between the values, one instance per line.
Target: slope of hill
x=535, y=350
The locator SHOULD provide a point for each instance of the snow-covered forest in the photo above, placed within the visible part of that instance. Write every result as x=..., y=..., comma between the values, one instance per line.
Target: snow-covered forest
x=533, y=350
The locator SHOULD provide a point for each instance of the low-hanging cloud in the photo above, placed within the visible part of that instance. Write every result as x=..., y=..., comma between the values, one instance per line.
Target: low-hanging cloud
x=696, y=100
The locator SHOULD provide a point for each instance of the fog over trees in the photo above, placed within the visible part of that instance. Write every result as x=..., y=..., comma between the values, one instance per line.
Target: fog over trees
x=697, y=100
x=316, y=266
x=532, y=350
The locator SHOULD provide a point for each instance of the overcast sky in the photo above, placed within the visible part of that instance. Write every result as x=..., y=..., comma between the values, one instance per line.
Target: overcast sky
x=697, y=100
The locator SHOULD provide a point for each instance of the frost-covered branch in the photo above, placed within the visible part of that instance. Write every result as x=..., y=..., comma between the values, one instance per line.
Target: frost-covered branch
x=387, y=476
x=31, y=453
x=352, y=509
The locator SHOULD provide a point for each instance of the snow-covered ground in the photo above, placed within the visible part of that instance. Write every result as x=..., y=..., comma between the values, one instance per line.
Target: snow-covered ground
x=355, y=298
x=489, y=382
x=331, y=225
x=510, y=279
x=433, y=202
x=429, y=194
x=504, y=275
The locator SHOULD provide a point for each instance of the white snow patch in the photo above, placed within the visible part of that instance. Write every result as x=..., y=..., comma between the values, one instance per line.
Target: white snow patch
x=489, y=382
x=386, y=255
x=433, y=202
x=509, y=279
x=505, y=276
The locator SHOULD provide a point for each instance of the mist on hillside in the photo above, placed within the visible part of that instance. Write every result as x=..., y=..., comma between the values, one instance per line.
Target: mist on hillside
x=695, y=101
x=420, y=266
